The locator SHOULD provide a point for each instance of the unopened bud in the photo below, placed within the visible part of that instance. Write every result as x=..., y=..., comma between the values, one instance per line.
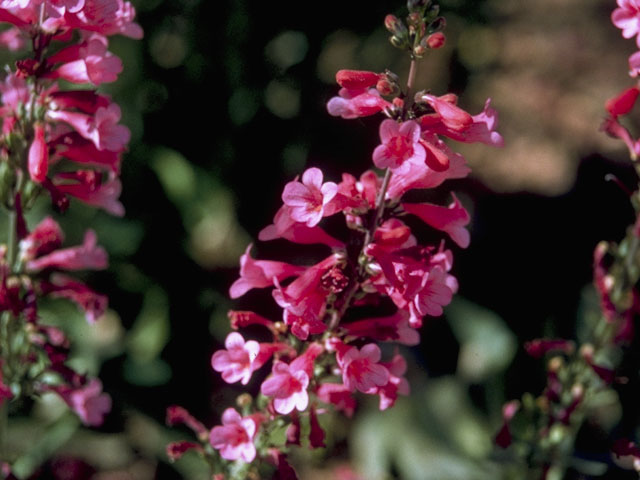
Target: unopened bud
x=432, y=12
x=244, y=400
x=419, y=50
x=436, y=40
x=395, y=25
x=437, y=25
x=414, y=20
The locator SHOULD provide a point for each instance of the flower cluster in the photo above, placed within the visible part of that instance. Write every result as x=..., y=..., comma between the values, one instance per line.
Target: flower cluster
x=67, y=143
x=325, y=346
x=544, y=429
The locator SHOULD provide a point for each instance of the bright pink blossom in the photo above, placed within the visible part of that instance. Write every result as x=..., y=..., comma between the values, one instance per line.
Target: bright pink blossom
x=74, y=147
x=400, y=144
x=361, y=369
x=394, y=328
x=356, y=103
x=238, y=361
x=90, y=190
x=451, y=220
x=260, y=273
x=89, y=62
x=288, y=383
x=627, y=18
x=88, y=401
x=622, y=103
x=339, y=396
x=284, y=226
x=102, y=128
x=234, y=438
x=307, y=199
x=86, y=256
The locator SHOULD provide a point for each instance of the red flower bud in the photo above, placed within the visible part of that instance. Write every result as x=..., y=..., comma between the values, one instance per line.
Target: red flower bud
x=356, y=79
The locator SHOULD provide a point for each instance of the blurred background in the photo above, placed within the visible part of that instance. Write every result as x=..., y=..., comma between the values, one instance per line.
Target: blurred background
x=226, y=103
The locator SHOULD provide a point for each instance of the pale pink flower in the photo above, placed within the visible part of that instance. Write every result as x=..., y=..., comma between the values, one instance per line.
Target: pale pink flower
x=361, y=369
x=307, y=199
x=238, y=361
x=451, y=220
x=400, y=145
x=102, y=128
x=88, y=401
x=627, y=18
x=234, y=438
x=89, y=62
x=288, y=383
x=38, y=159
x=288, y=386
x=260, y=273
x=286, y=227
x=356, y=103
x=86, y=256
x=13, y=39
x=103, y=195
x=107, y=17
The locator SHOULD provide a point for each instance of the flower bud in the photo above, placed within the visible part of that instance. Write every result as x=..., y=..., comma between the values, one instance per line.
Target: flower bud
x=398, y=42
x=436, y=40
x=395, y=25
x=356, y=79
x=437, y=25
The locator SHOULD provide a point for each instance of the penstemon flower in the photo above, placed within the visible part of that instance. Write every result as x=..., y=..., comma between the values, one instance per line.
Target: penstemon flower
x=322, y=357
x=66, y=143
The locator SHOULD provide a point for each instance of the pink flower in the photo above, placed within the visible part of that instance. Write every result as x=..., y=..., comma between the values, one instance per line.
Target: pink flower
x=394, y=328
x=102, y=128
x=400, y=144
x=92, y=191
x=88, y=401
x=38, y=160
x=307, y=200
x=86, y=256
x=107, y=17
x=451, y=220
x=78, y=149
x=627, y=18
x=260, y=273
x=623, y=102
x=238, y=361
x=288, y=386
x=284, y=226
x=177, y=415
x=361, y=370
x=234, y=438
x=356, y=103
x=339, y=396
x=89, y=62
x=288, y=383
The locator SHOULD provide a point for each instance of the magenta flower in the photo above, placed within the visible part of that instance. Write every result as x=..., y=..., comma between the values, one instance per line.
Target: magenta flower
x=260, y=273
x=45, y=238
x=361, y=102
x=234, y=438
x=397, y=385
x=89, y=62
x=288, y=386
x=361, y=370
x=339, y=396
x=451, y=220
x=238, y=361
x=90, y=190
x=88, y=401
x=308, y=200
x=88, y=255
x=400, y=144
x=627, y=18
x=284, y=226
x=394, y=328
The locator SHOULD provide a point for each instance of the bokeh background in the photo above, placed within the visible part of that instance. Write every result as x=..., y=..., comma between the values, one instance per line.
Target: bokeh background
x=226, y=103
